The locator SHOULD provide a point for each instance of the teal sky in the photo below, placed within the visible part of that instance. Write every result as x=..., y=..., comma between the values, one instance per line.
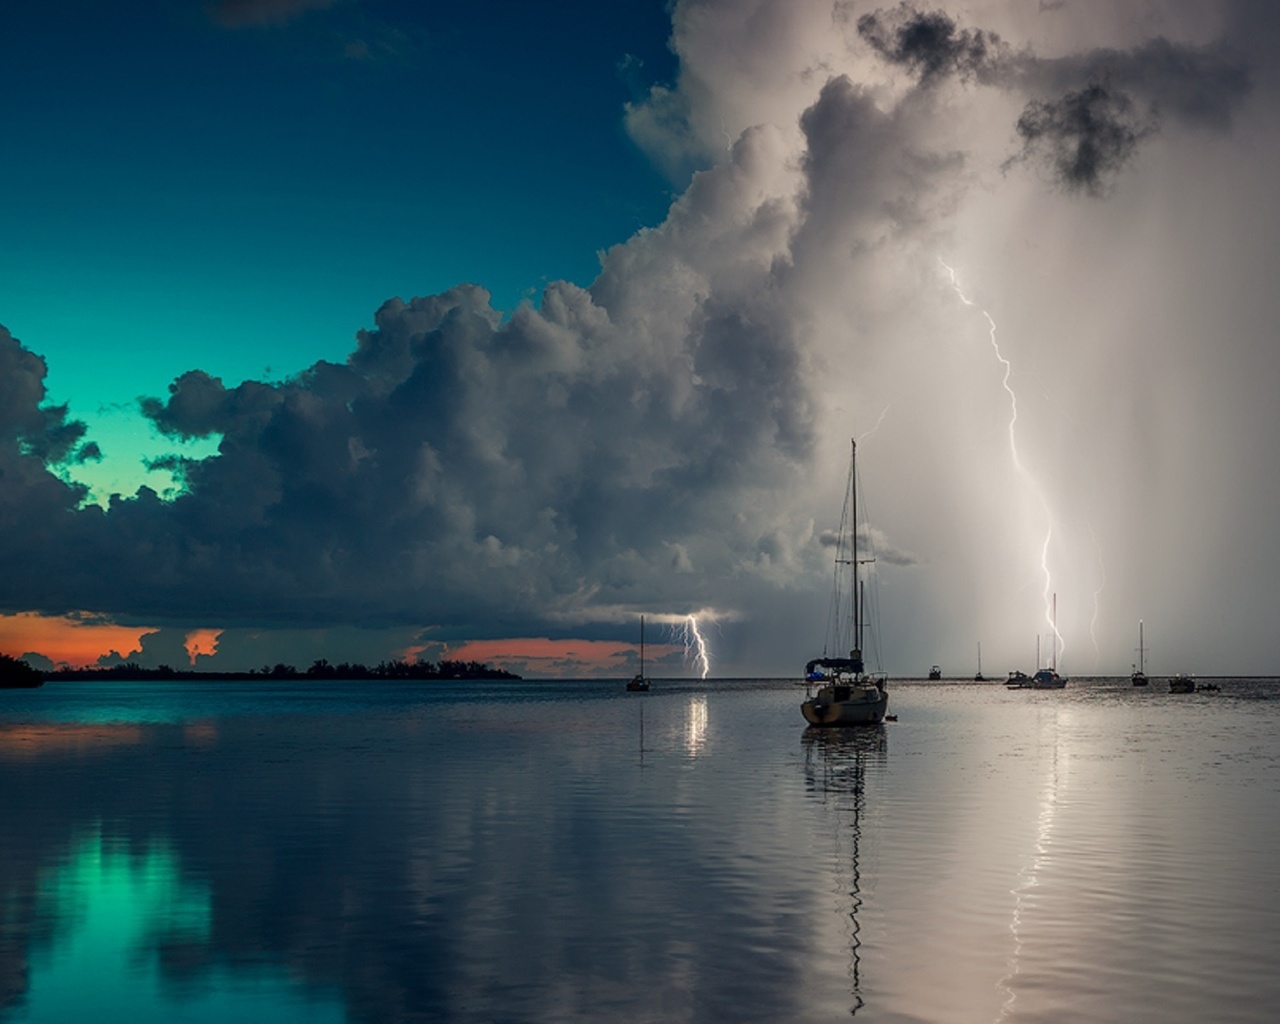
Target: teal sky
x=239, y=188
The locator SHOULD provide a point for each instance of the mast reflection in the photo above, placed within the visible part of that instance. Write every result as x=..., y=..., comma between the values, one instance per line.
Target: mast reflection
x=835, y=768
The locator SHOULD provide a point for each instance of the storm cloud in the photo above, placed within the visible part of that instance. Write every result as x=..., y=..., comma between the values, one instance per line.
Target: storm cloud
x=931, y=44
x=556, y=458
x=1105, y=102
x=673, y=435
x=1085, y=137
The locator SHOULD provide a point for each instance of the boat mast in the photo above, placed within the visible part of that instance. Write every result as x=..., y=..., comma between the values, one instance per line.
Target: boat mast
x=853, y=528
x=641, y=646
x=1140, y=647
x=1055, y=632
x=856, y=654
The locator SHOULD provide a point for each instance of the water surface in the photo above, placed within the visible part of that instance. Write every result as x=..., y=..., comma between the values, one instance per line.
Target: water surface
x=567, y=851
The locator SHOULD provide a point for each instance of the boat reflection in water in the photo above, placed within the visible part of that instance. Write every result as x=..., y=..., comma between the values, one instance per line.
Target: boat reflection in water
x=835, y=768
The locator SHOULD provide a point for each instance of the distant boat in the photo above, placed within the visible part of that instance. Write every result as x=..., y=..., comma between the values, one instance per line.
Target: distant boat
x=1139, y=677
x=1044, y=678
x=1047, y=679
x=978, y=677
x=846, y=695
x=639, y=683
x=1182, y=684
x=935, y=672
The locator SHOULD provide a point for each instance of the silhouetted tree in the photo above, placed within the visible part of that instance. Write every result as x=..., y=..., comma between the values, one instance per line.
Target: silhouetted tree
x=14, y=672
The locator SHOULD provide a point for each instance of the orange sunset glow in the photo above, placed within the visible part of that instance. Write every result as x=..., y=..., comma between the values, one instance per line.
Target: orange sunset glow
x=56, y=740
x=202, y=642
x=561, y=658
x=76, y=640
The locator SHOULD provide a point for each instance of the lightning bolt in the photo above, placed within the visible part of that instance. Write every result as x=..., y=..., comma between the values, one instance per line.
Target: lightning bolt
x=695, y=645
x=1032, y=483
x=884, y=413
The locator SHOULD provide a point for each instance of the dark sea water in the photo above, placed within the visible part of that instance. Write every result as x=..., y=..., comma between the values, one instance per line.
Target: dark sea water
x=570, y=852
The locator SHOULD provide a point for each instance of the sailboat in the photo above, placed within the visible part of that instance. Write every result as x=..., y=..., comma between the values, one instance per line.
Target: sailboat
x=1139, y=677
x=846, y=694
x=1048, y=678
x=639, y=683
x=978, y=677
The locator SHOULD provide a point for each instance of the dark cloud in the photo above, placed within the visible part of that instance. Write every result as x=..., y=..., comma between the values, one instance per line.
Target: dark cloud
x=28, y=428
x=1193, y=84
x=36, y=505
x=1106, y=102
x=1101, y=104
x=458, y=468
x=931, y=45
x=1084, y=138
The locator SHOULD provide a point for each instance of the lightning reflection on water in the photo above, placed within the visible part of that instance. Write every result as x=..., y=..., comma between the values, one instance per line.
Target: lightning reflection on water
x=1031, y=875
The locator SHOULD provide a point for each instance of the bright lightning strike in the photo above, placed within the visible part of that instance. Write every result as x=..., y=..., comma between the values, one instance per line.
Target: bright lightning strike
x=695, y=645
x=1049, y=615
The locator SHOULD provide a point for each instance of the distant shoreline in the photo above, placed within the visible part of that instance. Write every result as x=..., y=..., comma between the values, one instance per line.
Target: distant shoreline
x=396, y=671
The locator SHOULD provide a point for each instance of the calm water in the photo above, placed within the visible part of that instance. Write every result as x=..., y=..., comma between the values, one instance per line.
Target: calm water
x=569, y=852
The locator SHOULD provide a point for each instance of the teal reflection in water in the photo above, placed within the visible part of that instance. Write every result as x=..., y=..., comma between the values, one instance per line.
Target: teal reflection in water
x=125, y=936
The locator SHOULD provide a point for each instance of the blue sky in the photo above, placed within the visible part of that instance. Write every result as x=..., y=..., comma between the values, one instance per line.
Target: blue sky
x=491, y=327
x=239, y=189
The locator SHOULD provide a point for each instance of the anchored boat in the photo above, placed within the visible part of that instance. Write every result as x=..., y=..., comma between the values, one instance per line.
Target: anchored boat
x=846, y=694
x=1139, y=677
x=639, y=682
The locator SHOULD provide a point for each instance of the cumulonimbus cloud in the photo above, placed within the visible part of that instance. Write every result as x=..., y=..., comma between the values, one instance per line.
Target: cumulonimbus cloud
x=647, y=441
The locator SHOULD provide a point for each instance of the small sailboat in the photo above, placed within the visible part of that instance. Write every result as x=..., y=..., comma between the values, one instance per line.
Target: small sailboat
x=1048, y=678
x=978, y=677
x=1138, y=676
x=1045, y=678
x=846, y=694
x=639, y=682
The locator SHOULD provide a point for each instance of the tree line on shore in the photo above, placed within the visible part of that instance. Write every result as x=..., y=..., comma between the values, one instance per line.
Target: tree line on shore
x=319, y=669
